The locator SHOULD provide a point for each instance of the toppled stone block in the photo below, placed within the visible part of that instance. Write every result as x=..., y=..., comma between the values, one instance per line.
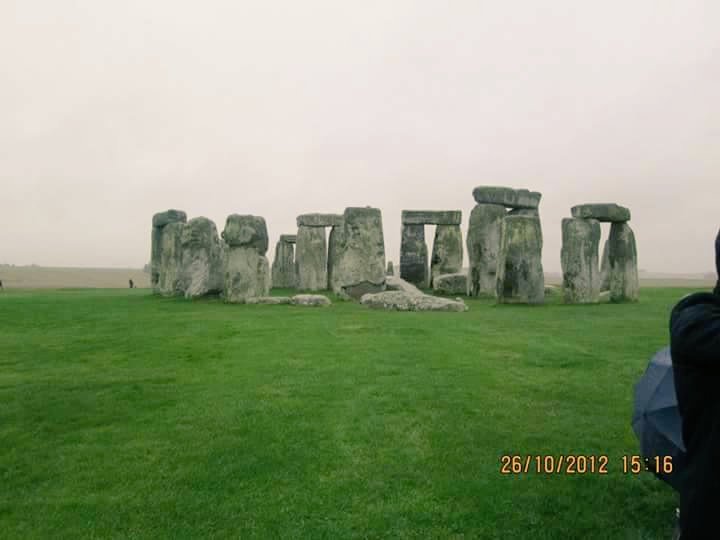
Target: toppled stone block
x=319, y=220
x=431, y=217
x=456, y=283
x=270, y=300
x=506, y=196
x=605, y=212
x=395, y=283
x=312, y=300
x=404, y=301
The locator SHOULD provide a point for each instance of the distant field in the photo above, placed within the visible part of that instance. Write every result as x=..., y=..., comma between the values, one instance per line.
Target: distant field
x=131, y=416
x=41, y=277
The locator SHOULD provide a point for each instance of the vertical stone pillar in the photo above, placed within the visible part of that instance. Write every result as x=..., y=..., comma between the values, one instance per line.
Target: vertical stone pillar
x=202, y=271
x=605, y=269
x=358, y=254
x=169, y=275
x=622, y=258
x=414, y=255
x=246, y=269
x=159, y=222
x=579, y=258
x=447, y=253
x=283, y=267
x=483, y=245
x=311, y=257
x=335, y=244
x=520, y=277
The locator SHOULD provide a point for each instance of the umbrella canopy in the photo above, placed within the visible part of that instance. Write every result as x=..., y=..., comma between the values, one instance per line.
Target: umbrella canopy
x=656, y=419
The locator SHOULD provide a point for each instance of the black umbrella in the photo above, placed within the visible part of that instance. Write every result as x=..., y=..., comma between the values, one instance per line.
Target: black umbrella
x=656, y=419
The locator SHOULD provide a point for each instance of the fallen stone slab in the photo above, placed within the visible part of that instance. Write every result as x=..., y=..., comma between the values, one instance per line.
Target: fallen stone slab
x=396, y=283
x=246, y=231
x=312, y=300
x=506, y=196
x=605, y=212
x=270, y=300
x=431, y=217
x=319, y=220
x=403, y=301
x=455, y=283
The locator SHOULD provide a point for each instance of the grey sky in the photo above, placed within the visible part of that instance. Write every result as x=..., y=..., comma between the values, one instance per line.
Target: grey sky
x=111, y=111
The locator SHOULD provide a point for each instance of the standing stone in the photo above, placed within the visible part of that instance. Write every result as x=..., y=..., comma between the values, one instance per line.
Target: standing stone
x=170, y=268
x=311, y=258
x=447, y=253
x=622, y=257
x=390, y=271
x=159, y=221
x=414, y=255
x=579, y=256
x=483, y=245
x=335, y=242
x=520, y=277
x=605, y=269
x=283, y=267
x=246, y=269
x=359, y=267
x=202, y=271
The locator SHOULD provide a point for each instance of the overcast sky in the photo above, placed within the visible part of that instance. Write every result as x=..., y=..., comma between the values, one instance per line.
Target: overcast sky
x=111, y=111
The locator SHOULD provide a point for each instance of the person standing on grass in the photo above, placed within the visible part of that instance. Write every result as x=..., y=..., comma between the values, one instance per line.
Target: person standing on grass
x=132, y=285
x=695, y=351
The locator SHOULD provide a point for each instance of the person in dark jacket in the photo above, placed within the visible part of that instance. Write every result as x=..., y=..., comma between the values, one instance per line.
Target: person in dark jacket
x=695, y=351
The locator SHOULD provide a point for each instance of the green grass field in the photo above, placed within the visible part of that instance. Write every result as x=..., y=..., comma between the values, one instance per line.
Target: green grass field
x=124, y=415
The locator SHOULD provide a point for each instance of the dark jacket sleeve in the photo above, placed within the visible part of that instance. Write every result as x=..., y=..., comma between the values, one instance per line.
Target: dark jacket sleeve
x=695, y=351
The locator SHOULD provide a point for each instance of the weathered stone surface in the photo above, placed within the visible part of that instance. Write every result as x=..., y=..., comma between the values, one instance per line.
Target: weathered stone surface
x=170, y=267
x=169, y=216
x=396, y=283
x=604, y=296
x=532, y=212
x=390, y=271
x=311, y=300
x=311, y=258
x=505, y=196
x=336, y=240
x=553, y=290
x=414, y=255
x=456, y=283
x=283, y=266
x=359, y=266
x=404, y=301
x=270, y=300
x=447, y=253
x=602, y=212
x=520, y=277
x=579, y=258
x=159, y=221
x=605, y=269
x=288, y=238
x=622, y=256
x=319, y=220
x=483, y=245
x=246, y=231
x=431, y=217
x=246, y=274
x=202, y=264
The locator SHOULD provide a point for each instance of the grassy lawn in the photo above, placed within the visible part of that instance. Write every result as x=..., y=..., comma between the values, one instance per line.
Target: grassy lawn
x=124, y=415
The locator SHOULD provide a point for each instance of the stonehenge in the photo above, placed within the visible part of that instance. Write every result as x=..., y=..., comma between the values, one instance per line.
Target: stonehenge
x=283, y=267
x=583, y=280
x=245, y=267
x=447, y=253
x=504, y=243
